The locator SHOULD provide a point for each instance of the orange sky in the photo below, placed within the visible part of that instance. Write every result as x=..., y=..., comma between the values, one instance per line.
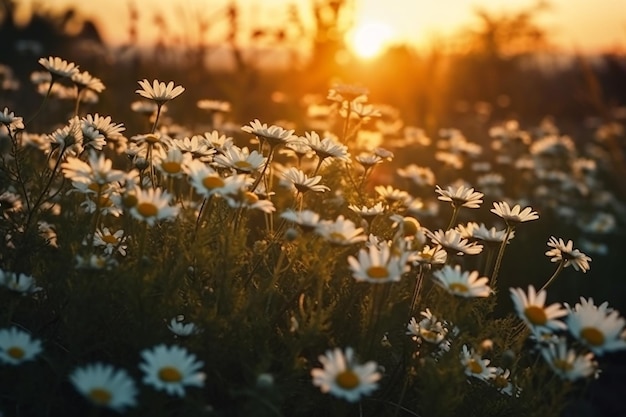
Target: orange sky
x=585, y=24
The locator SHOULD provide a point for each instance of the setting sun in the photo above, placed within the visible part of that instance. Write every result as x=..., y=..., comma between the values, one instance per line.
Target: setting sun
x=370, y=38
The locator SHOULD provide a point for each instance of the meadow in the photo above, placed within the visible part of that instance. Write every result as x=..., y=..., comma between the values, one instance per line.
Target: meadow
x=189, y=242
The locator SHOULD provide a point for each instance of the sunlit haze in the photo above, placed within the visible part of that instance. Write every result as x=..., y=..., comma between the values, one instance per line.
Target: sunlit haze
x=581, y=24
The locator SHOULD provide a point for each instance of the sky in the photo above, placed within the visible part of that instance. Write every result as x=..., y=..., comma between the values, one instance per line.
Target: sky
x=587, y=25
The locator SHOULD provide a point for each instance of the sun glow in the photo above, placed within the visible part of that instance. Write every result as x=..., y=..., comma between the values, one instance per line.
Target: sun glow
x=369, y=39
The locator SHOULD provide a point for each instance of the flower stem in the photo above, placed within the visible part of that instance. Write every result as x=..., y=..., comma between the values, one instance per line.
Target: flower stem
x=496, y=268
x=553, y=277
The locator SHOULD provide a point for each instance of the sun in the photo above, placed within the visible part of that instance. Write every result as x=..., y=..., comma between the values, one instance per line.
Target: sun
x=370, y=38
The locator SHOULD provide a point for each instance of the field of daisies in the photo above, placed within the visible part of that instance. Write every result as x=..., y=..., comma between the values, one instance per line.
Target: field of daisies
x=356, y=268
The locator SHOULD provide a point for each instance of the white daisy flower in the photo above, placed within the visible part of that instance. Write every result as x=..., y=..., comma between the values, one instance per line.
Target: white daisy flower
x=18, y=282
x=452, y=242
x=10, y=120
x=597, y=327
x=564, y=252
x=105, y=386
x=17, y=346
x=308, y=220
x=181, y=329
x=420, y=176
x=515, y=215
x=327, y=147
x=531, y=308
x=241, y=160
x=460, y=196
x=171, y=369
x=159, y=92
x=110, y=241
x=568, y=364
x=428, y=329
x=273, y=135
x=343, y=377
x=368, y=213
x=58, y=67
x=377, y=265
x=462, y=283
x=475, y=366
x=85, y=80
x=302, y=182
x=341, y=231
x=152, y=205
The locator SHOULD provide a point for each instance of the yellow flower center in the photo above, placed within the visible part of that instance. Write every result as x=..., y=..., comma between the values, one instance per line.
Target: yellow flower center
x=429, y=335
x=212, y=182
x=337, y=237
x=100, y=396
x=170, y=374
x=593, y=336
x=16, y=352
x=110, y=239
x=152, y=139
x=147, y=209
x=536, y=315
x=347, y=379
x=94, y=186
x=563, y=365
x=171, y=167
x=250, y=197
x=458, y=287
x=378, y=272
x=411, y=226
x=474, y=366
x=243, y=165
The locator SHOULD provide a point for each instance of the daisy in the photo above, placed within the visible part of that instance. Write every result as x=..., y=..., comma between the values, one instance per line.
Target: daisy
x=368, y=160
x=452, y=242
x=361, y=110
x=341, y=231
x=368, y=213
x=221, y=143
x=92, y=138
x=241, y=160
x=110, y=241
x=392, y=195
x=213, y=105
x=460, y=196
x=562, y=252
x=243, y=198
x=17, y=346
x=303, y=183
x=68, y=138
x=10, y=120
x=273, y=135
x=152, y=205
x=171, y=369
x=502, y=382
x=428, y=329
x=105, y=386
x=515, y=215
x=58, y=67
x=377, y=265
x=420, y=176
x=96, y=173
x=343, y=377
x=347, y=92
x=531, y=308
x=568, y=364
x=492, y=236
x=462, y=283
x=327, y=147
x=173, y=163
x=207, y=182
x=430, y=256
x=18, y=282
x=84, y=80
x=181, y=329
x=158, y=91
x=197, y=146
x=475, y=366
x=308, y=220
x=111, y=131
x=597, y=327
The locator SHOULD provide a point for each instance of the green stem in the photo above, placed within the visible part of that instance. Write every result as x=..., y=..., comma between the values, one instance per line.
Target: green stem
x=416, y=291
x=553, y=277
x=496, y=268
x=455, y=213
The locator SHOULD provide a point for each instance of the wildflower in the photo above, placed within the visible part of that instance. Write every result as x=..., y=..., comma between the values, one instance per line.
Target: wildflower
x=158, y=91
x=68, y=138
x=368, y=160
x=340, y=232
x=392, y=195
x=502, y=382
x=452, y=242
x=18, y=282
x=17, y=346
x=568, y=364
x=428, y=329
x=58, y=67
x=562, y=252
x=515, y=215
x=462, y=283
x=420, y=176
x=308, y=220
x=111, y=241
x=213, y=105
x=327, y=147
x=597, y=327
x=110, y=130
x=86, y=80
x=274, y=135
x=11, y=121
x=460, y=196
x=197, y=146
x=221, y=143
x=171, y=369
x=181, y=329
x=368, y=213
x=152, y=205
x=96, y=173
x=491, y=236
x=343, y=377
x=105, y=386
x=302, y=182
x=430, y=256
x=347, y=92
x=378, y=265
x=241, y=160
x=243, y=198
x=361, y=110
x=173, y=163
x=531, y=308
x=207, y=182
x=475, y=366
